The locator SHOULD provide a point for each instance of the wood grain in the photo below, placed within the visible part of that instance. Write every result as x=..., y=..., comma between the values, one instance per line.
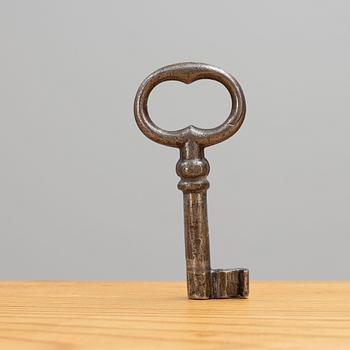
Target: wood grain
x=157, y=315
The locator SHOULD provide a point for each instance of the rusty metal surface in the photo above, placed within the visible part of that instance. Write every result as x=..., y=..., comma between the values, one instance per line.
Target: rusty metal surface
x=203, y=282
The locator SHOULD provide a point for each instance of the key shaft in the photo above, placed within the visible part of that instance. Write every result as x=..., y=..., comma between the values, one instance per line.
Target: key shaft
x=193, y=169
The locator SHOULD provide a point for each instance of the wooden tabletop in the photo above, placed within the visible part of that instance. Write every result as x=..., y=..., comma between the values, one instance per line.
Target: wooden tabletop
x=157, y=315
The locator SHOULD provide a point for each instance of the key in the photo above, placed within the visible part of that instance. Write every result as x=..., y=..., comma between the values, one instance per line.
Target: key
x=203, y=282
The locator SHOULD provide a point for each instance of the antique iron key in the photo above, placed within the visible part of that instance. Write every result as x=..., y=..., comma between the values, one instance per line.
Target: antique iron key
x=203, y=282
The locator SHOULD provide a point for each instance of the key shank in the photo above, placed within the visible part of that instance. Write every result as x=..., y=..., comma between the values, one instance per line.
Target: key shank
x=202, y=281
x=193, y=169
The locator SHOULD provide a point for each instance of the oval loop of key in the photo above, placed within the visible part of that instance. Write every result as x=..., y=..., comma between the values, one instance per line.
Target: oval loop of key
x=188, y=73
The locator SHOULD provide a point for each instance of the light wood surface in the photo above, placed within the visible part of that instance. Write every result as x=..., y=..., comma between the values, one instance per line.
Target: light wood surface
x=157, y=315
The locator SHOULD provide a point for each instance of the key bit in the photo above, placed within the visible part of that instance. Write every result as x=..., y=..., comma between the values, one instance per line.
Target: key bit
x=203, y=282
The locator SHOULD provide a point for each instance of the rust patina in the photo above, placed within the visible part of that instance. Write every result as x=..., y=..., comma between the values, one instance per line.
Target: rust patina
x=203, y=282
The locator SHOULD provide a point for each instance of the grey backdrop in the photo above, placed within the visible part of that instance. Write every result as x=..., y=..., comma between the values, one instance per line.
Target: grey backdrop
x=84, y=195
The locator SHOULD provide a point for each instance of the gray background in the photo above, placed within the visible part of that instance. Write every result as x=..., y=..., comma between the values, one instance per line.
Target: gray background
x=84, y=195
